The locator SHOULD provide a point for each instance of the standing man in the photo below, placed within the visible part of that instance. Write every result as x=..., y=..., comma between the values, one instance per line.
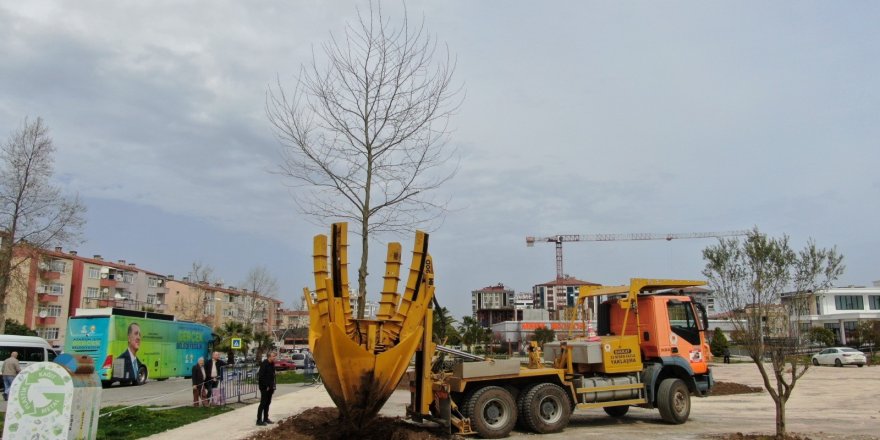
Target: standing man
x=726, y=353
x=198, y=380
x=214, y=368
x=11, y=368
x=132, y=365
x=266, y=380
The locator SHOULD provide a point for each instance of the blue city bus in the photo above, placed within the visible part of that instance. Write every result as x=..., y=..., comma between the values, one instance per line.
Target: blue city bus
x=130, y=347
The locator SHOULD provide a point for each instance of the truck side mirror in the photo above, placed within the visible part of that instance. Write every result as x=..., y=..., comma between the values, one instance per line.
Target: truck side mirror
x=703, y=315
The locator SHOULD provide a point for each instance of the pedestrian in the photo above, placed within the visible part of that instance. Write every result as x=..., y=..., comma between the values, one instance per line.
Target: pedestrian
x=214, y=368
x=266, y=381
x=198, y=381
x=726, y=355
x=11, y=368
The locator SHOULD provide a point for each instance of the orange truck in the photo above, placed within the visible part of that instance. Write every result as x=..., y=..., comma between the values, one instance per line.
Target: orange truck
x=649, y=350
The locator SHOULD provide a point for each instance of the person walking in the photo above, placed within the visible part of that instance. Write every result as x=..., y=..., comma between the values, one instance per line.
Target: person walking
x=266, y=381
x=198, y=381
x=11, y=368
x=726, y=353
x=214, y=368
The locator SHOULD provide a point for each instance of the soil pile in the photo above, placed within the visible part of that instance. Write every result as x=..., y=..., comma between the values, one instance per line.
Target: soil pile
x=728, y=388
x=323, y=424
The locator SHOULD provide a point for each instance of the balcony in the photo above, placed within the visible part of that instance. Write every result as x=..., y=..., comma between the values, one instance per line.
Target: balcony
x=49, y=274
x=49, y=320
x=48, y=297
x=107, y=282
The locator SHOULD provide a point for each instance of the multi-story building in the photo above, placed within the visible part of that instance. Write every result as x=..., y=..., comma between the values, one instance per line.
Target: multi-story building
x=48, y=286
x=215, y=305
x=703, y=296
x=293, y=329
x=523, y=301
x=558, y=296
x=839, y=309
x=493, y=304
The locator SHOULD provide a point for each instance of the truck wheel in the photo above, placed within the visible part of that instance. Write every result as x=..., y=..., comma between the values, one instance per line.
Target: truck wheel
x=674, y=401
x=492, y=411
x=616, y=411
x=545, y=408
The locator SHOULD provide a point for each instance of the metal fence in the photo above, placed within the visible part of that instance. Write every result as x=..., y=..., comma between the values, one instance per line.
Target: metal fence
x=239, y=383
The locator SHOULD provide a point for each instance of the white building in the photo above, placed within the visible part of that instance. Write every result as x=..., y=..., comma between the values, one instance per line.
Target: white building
x=840, y=309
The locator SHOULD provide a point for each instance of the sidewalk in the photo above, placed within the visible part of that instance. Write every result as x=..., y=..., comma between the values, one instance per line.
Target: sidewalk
x=241, y=423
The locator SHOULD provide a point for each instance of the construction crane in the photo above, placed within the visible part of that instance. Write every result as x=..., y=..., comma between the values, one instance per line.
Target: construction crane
x=559, y=239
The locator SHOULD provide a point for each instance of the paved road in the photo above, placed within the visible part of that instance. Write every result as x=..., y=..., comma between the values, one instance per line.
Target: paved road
x=170, y=392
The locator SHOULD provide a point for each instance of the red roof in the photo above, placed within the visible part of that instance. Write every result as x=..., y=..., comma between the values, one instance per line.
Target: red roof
x=568, y=281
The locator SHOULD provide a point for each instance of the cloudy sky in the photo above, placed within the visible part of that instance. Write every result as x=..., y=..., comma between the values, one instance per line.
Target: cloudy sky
x=579, y=118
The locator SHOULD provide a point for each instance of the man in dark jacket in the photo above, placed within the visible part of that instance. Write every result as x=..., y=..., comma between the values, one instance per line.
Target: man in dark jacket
x=198, y=380
x=266, y=381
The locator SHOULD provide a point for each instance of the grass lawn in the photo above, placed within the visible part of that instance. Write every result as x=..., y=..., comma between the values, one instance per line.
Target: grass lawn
x=288, y=376
x=141, y=422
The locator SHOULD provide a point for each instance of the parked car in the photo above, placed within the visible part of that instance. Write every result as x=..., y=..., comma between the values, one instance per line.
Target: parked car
x=303, y=360
x=839, y=356
x=30, y=349
x=284, y=364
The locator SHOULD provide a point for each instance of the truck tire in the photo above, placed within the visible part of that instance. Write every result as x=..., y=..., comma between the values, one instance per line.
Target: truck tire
x=545, y=408
x=674, y=401
x=616, y=411
x=492, y=411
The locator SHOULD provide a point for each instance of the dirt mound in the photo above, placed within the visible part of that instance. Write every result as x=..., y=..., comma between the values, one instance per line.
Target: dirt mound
x=324, y=424
x=728, y=388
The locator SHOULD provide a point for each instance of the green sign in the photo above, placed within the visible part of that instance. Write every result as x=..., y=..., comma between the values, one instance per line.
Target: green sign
x=50, y=385
x=236, y=343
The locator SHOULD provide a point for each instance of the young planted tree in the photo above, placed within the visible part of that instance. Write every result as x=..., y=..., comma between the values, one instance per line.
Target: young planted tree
x=766, y=286
x=34, y=213
x=365, y=131
x=719, y=342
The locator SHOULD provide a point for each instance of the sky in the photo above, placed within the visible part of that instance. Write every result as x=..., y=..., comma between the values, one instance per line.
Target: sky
x=577, y=118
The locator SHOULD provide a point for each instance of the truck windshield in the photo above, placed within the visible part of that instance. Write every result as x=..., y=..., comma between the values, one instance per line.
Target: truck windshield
x=683, y=322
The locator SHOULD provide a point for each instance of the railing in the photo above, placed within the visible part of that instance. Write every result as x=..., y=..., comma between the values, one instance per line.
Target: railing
x=239, y=383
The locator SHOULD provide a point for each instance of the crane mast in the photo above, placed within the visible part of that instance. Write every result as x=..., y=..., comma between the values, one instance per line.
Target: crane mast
x=562, y=238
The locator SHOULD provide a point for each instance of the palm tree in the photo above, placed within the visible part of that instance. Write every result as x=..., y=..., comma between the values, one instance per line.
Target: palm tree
x=227, y=332
x=471, y=332
x=264, y=343
x=444, y=327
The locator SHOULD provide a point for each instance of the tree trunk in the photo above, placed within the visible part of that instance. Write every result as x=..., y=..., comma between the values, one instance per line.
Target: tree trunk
x=780, y=418
x=362, y=271
x=5, y=272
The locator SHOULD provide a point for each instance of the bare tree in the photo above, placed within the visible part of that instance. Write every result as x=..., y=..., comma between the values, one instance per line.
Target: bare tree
x=765, y=285
x=33, y=212
x=259, y=284
x=194, y=307
x=366, y=133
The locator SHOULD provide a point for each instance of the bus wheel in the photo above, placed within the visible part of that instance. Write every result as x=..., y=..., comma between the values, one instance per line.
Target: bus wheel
x=106, y=383
x=674, y=401
x=142, y=376
x=492, y=411
x=546, y=408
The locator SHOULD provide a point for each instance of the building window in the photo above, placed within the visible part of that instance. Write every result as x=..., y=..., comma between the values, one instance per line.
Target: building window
x=151, y=299
x=849, y=302
x=91, y=292
x=94, y=273
x=874, y=302
x=48, y=333
x=51, y=310
x=57, y=266
x=51, y=289
x=128, y=277
x=152, y=282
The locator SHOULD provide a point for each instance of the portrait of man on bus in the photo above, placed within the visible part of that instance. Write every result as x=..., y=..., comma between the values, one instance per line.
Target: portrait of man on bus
x=130, y=354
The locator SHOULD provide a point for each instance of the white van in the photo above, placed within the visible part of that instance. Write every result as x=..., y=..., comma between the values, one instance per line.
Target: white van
x=30, y=349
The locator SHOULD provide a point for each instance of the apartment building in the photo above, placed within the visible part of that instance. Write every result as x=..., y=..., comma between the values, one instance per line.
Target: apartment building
x=558, y=296
x=493, y=304
x=48, y=286
x=214, y=304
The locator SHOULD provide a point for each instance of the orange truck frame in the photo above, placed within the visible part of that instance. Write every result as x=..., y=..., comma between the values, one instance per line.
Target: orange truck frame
x=650, y=351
